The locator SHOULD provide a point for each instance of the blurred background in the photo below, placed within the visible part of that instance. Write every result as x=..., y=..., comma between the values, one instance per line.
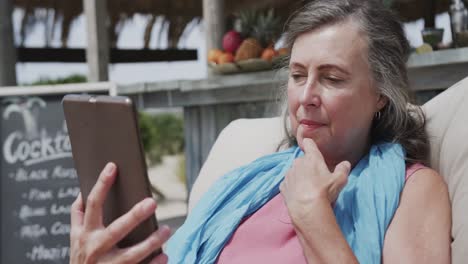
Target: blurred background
x=161, y=25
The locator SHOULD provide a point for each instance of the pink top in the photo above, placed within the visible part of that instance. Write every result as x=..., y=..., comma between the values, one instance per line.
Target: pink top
x=253, y=242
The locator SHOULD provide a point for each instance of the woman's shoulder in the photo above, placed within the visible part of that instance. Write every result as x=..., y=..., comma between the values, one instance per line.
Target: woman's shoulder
x=422, y=220
x=418, y=172
x=424, y=183
x=412, y=168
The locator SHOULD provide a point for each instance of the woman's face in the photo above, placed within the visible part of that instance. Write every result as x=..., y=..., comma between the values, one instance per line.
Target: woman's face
x=331, y=94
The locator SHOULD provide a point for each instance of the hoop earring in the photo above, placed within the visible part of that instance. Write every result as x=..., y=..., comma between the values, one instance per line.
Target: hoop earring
x=377, y=115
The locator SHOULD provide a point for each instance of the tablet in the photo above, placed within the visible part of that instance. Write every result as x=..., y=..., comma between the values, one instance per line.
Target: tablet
x=104, y=129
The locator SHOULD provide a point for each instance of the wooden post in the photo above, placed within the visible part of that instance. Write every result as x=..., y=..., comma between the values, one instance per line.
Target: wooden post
x=97, y=50
x=7, y=45
x=214, y=20
x=430, y=13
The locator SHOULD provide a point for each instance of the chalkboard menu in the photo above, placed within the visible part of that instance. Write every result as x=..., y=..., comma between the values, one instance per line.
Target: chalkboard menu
x=38, y=180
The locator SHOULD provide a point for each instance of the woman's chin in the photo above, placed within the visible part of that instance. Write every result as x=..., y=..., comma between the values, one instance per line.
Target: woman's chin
x=303, y=134
x=300, y=140
x=320, y=139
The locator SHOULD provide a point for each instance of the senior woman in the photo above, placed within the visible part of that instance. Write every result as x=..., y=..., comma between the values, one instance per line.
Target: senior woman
x=351, y=187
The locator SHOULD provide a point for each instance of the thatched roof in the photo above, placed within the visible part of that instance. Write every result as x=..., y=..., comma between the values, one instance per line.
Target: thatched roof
x=177, y=14
x=411, y=10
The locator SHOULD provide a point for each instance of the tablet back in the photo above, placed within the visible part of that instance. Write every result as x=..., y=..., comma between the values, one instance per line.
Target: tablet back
x=104, y=129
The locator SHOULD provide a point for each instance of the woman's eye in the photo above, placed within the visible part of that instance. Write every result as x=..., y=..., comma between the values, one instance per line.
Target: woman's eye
x=334, y=79
x=297, y=77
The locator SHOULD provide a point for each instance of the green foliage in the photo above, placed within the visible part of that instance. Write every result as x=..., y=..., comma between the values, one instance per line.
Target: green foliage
x=263, y=25
x=75, y=78
x=247, y=20
x=147, y=130
x=388, y=3
x=268, y=28
x=181, y=176
x=161, y=135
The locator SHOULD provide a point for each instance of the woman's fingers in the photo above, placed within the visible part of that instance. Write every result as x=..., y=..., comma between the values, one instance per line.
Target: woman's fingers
x=76, y=217
x=160, y=259
x=123, y=225
x=311, y=149
x=143, y=249
x=341, y=174
x=77, y=211
x=97, y=196
x=342, y=170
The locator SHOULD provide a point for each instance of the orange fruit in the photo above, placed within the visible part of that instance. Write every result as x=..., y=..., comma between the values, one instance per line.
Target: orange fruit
x=268, y=54
x=226, y=58
x=214, y=54
x=283, y=51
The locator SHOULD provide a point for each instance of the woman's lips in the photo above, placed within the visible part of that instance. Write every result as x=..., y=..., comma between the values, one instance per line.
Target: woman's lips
x=310, y=125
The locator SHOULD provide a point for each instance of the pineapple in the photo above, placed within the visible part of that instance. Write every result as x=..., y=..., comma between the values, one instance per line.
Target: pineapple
x=245, y=22
x=249, y=49
x=263, y=26
x=260, y=29
x=267, y=29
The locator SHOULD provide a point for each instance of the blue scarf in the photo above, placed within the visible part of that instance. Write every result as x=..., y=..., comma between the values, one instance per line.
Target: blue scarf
x=363, y=210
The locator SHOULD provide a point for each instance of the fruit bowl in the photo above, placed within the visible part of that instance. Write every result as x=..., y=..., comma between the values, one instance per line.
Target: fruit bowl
x=249, y=65
x=255, y=64
x=225, y=68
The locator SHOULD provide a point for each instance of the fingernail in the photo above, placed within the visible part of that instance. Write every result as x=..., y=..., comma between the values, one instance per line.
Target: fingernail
x=164, y=231
x=110, y=167
x=148, y=205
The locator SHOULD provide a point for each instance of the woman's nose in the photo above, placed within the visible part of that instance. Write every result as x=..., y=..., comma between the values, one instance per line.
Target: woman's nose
x=311, y=94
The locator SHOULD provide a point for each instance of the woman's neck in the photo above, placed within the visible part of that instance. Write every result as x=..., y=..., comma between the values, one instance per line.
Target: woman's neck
x=353, y=156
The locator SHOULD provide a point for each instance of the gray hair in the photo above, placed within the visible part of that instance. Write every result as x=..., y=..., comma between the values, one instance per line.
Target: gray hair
x=388, y=52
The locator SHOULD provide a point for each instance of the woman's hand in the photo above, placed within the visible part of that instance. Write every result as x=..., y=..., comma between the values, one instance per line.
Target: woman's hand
x=309, y=181
x=92, y=242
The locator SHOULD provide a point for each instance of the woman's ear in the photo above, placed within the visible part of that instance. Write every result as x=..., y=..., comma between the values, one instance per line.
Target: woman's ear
x=381, y=102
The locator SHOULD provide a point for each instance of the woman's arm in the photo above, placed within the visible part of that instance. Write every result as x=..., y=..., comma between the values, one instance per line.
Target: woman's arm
x=420, y=229
x=320, y=236
x=309, y=202
x=418, y=233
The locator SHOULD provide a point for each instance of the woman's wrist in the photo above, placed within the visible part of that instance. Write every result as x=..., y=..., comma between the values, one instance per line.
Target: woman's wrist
x=320, y=235
x=308, y=212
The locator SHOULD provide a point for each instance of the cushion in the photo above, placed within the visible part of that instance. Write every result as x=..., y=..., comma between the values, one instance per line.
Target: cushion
x=447, y=125
x=239, y=143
